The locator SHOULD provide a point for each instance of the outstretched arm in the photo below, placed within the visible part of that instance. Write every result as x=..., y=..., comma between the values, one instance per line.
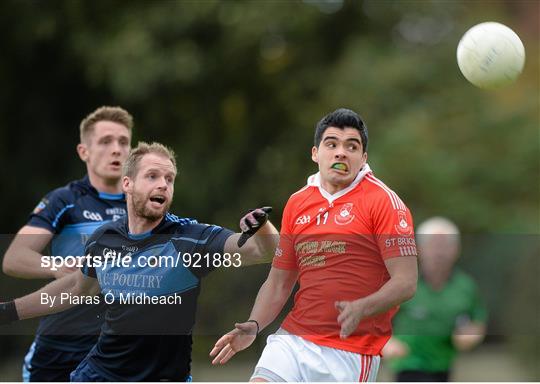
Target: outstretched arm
x=270, y=300
x=57, y=292
x=23, y=257
x=258, y=240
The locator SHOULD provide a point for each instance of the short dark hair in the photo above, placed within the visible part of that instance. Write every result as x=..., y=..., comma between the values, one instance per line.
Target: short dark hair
x=342, y=118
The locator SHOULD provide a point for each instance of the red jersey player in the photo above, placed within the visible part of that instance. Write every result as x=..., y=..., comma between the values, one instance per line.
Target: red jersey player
x=348, y=240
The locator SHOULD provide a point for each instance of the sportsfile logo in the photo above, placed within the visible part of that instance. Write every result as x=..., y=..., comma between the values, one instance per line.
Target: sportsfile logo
x=111, y=258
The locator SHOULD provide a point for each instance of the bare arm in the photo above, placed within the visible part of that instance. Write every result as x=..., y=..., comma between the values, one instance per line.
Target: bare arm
x=23, y=257
x=74, y=284
x=259, y=248
x=269, y=302
x=401, y=287
x=273, y=295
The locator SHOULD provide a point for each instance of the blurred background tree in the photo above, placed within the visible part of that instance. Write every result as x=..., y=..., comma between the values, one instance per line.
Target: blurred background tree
x=236, y=87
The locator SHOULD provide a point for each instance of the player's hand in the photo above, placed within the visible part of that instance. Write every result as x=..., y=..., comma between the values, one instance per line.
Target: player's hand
x=63, y=271
x=467, y=334
x=395, y=349
x=237, y=340
x=350, y=314
x=8, y=312
x=252, y=222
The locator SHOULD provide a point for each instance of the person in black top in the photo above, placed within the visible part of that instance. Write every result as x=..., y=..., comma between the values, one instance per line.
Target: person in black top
x=65, y=218
x=150, y=307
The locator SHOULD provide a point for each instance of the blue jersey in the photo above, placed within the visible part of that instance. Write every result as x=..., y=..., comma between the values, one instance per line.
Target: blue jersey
x=72, y=213
x=150, y=341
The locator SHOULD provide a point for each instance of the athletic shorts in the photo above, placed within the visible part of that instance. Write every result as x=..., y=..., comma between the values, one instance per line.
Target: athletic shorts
x=46, y=364
x=85, y=373
x=287, y=357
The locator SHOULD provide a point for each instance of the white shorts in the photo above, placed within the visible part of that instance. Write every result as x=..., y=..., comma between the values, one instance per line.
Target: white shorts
x=288, y=357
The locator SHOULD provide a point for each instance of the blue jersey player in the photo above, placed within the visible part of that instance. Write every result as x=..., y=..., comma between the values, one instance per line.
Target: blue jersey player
x=65, y=218
x=150, y=307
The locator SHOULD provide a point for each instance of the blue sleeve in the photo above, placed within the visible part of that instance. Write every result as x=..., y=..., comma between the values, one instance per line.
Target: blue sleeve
x=215, y=237
x=51, y=210
x=207, y=239
x=88, y=269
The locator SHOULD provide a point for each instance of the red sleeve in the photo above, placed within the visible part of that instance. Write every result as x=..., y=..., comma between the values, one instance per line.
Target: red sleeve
x=285, y=256
x=393, y=227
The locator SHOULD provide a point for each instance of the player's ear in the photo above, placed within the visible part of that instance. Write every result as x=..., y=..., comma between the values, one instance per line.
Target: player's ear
x=82, y=150
x=315, y=154
x=127, y=184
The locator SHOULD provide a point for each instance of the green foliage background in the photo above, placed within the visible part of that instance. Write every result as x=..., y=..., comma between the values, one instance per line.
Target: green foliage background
x=236, y=87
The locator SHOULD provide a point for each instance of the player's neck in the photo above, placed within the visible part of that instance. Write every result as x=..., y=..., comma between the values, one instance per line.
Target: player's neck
x=105, y=185
x=332, y=188
x=138, y=225
x=438, y=281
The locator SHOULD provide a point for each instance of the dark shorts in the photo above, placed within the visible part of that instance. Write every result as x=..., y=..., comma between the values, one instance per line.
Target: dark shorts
x=85, y=373
x=416, y=376
x=46, y=364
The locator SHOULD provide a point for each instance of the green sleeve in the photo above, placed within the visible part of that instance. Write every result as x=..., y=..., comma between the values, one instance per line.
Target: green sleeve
x=478, y=311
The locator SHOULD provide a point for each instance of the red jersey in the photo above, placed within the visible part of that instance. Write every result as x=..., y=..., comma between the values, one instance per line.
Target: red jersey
x=338, y=243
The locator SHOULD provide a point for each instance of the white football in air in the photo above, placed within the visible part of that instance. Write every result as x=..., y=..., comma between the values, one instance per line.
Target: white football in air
x=490, y=55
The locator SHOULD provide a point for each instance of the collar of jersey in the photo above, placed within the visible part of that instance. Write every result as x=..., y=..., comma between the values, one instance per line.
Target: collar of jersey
x=315, y=181
x=161, y=228
x=85, y=183
x=110, y=196
x=139, y=236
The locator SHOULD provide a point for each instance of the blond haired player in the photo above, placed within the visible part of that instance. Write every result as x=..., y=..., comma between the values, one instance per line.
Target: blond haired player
x=150, y=307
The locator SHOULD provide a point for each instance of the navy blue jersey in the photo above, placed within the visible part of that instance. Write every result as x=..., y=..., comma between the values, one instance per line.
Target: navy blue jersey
x=72, y=213
x=142, y=341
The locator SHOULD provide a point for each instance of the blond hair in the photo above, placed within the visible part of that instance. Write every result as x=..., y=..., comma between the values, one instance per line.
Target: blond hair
x=105, y=113
x=143, y=148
